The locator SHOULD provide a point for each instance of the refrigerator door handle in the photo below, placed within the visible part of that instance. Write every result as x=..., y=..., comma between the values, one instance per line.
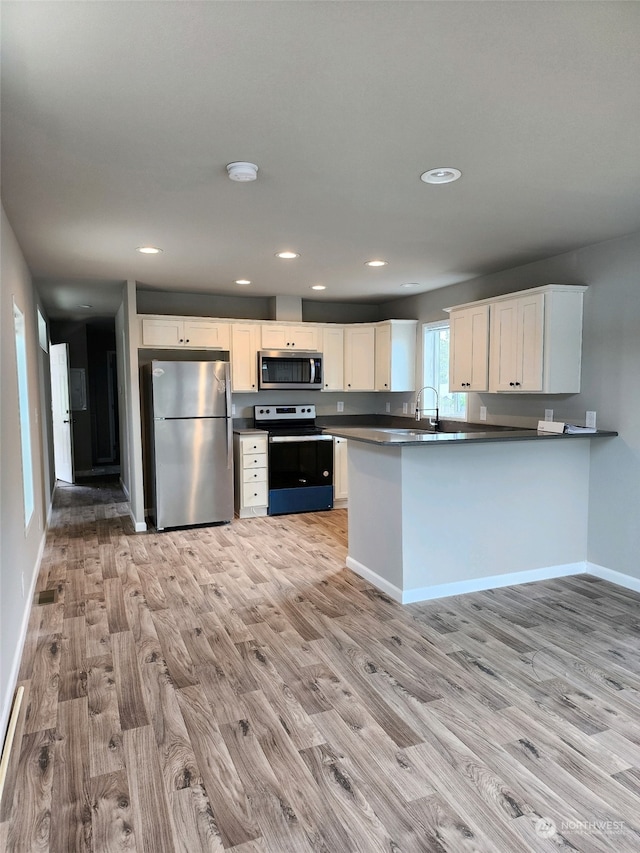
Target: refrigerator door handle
x=227, y=391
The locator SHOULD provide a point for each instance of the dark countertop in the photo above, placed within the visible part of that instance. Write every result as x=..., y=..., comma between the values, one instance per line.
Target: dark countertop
x=408, y=436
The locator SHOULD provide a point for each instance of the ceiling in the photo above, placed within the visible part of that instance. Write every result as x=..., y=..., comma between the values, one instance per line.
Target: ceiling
x=118, y=120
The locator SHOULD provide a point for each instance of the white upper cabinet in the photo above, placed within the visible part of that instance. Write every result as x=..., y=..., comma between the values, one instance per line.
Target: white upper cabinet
x=333, y=358
x=244, y=356
x=304, y=337
x=359, y=358
x=469, y=349
x=535, y=341
x=395, y=355
x=192, y=332
x=517, y=329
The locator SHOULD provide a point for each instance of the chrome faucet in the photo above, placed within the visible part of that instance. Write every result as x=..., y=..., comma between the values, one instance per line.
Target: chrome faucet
x=435, y=421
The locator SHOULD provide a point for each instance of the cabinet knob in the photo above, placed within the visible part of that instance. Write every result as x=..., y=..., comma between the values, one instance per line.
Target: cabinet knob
x=180, y=341
x=517, y=383
x=187, y=341
x=512, y=384
x=348, y=385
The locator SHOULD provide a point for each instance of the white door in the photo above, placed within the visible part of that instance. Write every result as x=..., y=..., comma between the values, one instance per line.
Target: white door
x=61, y=411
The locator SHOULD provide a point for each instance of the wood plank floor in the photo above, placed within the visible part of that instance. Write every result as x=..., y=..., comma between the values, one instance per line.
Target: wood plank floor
x=236, y=689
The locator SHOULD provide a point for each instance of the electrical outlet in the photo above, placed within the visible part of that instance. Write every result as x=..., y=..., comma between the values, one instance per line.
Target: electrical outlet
x=233, y=409
x=387, y=407
x=590, y=420
x=483, y=413
x=405, y=408
x=340, y=406
x=548, y=414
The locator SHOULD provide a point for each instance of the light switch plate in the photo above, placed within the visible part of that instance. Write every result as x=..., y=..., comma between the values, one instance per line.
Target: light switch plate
x=590, y=420
x=340, y=406
x=233, y=409
x=483, y=413
x=387, y=407
x=405, y=408
x=548, y=414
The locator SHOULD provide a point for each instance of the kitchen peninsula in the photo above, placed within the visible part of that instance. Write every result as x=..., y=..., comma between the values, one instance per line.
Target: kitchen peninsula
x=437, y=514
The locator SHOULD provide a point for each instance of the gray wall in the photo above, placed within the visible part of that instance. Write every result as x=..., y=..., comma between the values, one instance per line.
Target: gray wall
x=19, y=549
x=249, y=307
x=610, y=379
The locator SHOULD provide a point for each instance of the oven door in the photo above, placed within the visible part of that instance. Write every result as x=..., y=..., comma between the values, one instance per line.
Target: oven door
x=300, y=473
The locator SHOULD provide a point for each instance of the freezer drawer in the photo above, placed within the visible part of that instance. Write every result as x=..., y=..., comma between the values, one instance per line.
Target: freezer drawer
x=193, y=483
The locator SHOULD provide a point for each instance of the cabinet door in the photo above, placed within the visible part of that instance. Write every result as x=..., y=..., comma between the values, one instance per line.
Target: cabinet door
x=340, y=469
x=469, y=349
x=529, y=342
x=289, y=337
x=206, y=334
x=383, y=358
x=306, y=337
x=162, y=332
x=244, y=357
x=333, y=358
x=359, y=363
x=503, y=346
x=516, y=361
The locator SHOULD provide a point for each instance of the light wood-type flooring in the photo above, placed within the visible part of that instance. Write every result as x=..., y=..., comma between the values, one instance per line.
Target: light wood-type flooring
x=236, y=688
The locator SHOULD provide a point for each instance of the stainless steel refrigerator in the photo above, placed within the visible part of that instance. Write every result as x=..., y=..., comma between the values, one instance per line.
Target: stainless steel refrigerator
x=189, y=442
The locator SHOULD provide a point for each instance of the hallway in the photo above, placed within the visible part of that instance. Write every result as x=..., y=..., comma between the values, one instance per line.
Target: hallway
x=236, y=689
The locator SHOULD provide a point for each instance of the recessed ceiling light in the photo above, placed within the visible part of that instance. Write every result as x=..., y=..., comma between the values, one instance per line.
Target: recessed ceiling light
x=376, y=263
x=148, y=250
x=444, y=175
x=318, y=287
x=242, y=281
x=85, y=306
x=410, y=284
x=241, y=171
x=287, y=256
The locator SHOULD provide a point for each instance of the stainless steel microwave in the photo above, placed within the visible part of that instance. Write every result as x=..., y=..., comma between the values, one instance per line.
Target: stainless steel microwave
x=289, y=369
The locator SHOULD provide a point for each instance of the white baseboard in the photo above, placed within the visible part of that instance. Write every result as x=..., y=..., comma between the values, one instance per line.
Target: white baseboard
x=138, y=526
x=620, y=579
x=392, y=591
x=17, y=656
x=427, y=593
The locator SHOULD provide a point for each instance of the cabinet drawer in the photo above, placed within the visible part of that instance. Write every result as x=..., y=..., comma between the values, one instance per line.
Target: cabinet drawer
x=251, y=446
x=255, y=495
x=258, y=460
x=254, y=475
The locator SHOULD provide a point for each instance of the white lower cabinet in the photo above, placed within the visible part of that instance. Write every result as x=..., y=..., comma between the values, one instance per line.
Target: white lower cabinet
x=251, y=486
x=340, y=470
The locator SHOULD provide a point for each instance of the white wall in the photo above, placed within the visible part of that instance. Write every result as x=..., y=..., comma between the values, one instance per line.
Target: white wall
x=610, y=379
x=19, y=549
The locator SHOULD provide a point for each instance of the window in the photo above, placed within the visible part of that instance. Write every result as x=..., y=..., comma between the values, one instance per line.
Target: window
x=435, y=371
x=23, y=409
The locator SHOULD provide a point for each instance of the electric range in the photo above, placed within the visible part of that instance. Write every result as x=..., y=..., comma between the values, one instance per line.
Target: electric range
x=300, y=458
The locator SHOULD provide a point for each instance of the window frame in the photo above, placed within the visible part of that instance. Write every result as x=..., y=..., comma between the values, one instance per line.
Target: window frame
x=429, y=376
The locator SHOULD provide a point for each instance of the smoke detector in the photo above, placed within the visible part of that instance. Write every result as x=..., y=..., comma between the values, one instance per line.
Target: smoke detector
x=241, y=171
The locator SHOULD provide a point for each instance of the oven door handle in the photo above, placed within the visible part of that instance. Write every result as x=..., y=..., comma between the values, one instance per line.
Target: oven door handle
x=289, y=439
